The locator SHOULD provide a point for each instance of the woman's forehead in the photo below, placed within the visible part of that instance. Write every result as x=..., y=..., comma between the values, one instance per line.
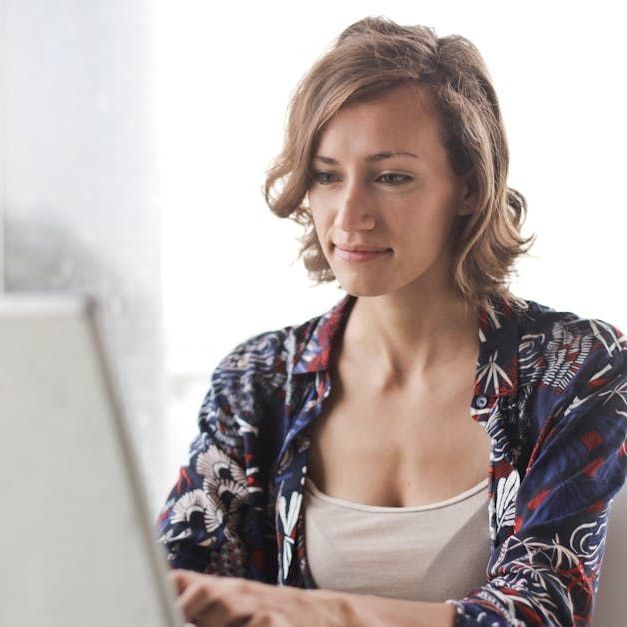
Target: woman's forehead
x=401, y=119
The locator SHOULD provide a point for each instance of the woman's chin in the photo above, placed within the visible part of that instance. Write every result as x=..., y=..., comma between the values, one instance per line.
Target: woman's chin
x=364, y=288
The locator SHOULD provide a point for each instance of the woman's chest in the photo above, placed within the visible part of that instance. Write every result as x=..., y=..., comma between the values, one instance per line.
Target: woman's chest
x=406, y=448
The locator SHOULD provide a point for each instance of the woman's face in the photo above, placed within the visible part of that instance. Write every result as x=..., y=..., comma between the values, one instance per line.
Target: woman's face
x=384, y=195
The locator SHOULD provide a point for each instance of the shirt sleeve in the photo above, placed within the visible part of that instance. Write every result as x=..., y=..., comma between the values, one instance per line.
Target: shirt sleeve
x=201, y=520
x=546, y=573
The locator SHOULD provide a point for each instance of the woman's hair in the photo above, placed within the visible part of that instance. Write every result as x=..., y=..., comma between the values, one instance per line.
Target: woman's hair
x=370, y=57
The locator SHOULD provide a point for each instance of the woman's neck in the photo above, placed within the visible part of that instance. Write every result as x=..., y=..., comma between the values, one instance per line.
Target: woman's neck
x=403, y=335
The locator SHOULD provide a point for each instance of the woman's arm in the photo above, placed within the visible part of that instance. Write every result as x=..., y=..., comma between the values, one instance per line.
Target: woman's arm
x=546, y=572
x=367, y=610
x=214, y=519
x=212, y=601
x=200, y=519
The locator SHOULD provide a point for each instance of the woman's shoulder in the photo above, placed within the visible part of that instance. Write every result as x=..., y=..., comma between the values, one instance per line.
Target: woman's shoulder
x=276, y=352
x=566, y=326
x=560, y=346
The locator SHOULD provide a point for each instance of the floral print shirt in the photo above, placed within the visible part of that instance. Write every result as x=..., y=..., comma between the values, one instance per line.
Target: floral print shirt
x=550, y=390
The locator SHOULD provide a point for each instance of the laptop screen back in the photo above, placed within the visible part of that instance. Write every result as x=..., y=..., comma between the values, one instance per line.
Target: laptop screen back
x=78, y=548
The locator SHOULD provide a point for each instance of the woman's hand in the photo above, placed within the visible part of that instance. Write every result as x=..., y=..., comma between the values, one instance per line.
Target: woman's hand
x=211, y=601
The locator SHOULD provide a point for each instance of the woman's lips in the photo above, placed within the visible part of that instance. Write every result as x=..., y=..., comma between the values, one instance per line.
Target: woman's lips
x=348, y=254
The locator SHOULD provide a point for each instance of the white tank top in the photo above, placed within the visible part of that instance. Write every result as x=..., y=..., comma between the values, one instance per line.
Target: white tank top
x=433, y=552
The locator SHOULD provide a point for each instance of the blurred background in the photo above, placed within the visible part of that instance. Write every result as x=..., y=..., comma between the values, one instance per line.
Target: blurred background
x=134, y=139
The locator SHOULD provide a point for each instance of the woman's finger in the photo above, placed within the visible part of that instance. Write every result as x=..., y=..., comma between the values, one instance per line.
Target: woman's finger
x=194, y=600
x=181, y=579
x=229, y=610
x=214, y=601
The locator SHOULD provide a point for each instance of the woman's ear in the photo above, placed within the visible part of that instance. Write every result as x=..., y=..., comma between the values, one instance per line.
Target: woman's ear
x=469, y=193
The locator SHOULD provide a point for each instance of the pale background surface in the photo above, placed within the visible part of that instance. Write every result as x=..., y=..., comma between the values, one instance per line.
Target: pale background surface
x=224, y=84
x=134, y=139
x=81, y=187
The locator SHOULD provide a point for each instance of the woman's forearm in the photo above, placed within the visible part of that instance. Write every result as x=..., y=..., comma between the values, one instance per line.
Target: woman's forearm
x=361, y=610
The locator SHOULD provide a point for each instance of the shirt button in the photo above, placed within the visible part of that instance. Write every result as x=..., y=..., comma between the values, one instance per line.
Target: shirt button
x=482, y=401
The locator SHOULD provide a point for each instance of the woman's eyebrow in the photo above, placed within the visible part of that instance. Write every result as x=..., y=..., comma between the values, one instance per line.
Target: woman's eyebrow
x=379, y=156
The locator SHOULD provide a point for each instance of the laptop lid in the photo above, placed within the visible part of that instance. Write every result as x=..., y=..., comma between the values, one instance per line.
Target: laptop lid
x=78, y=547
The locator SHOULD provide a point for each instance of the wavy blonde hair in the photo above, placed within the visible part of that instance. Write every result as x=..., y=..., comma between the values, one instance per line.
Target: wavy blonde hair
x=370, y=57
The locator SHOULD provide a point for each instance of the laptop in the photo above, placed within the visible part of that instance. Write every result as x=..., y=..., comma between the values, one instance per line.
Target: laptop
x=78, y=546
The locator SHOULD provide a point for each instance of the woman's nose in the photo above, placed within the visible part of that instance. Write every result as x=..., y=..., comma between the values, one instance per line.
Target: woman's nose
x=354, y=212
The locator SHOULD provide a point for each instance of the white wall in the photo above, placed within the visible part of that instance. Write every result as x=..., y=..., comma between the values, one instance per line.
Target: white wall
x=225, y=76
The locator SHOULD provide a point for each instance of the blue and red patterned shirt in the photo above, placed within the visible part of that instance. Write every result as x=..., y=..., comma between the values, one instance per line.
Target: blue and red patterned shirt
x=550, y=390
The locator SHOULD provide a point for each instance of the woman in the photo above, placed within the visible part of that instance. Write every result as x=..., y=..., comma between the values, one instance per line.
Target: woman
x=354, y=427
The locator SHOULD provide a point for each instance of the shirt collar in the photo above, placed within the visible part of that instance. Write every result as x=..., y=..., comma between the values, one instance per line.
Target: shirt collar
x=497, y=365
x=315, y=355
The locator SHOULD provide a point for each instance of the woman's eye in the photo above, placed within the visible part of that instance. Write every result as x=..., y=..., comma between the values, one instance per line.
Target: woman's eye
x=394, y=179
x=324, y=178
x=389, y=178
